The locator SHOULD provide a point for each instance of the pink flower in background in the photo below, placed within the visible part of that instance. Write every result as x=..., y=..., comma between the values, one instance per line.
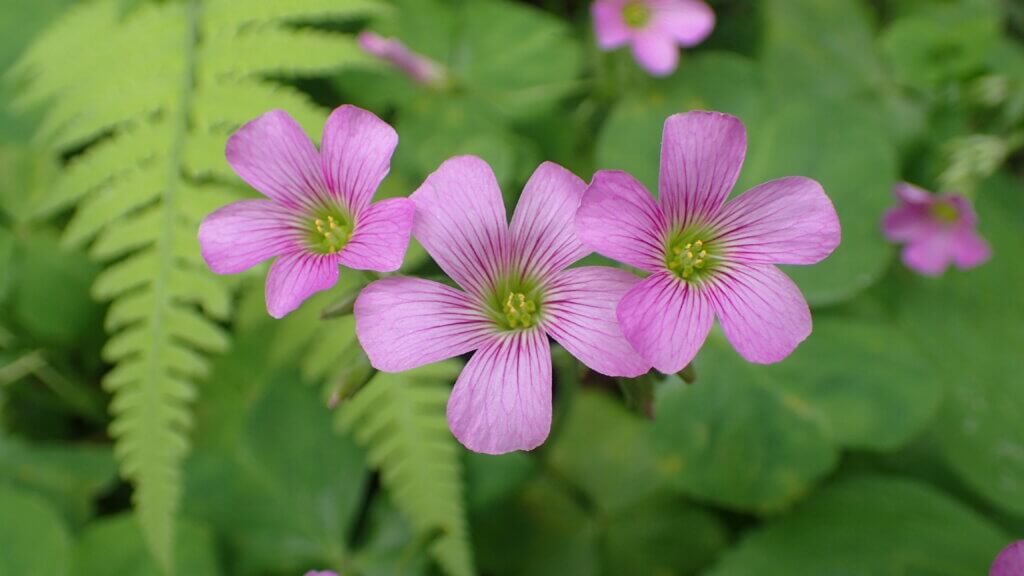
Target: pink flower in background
x=321, y=573
x=317, y=214
x=653, y=28
x=706, y=257
x=936, y=231
x=516, y=291
x=1010, y=561
x=420, y=68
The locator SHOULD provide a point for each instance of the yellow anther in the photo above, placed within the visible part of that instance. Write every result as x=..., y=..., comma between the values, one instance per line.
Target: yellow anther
x=703, y=254
x=331, y=222
x=699, y=243
x=689, y=245
x=686, y=257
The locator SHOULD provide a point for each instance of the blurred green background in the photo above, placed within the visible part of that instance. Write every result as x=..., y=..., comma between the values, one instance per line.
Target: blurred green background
x=890, y=443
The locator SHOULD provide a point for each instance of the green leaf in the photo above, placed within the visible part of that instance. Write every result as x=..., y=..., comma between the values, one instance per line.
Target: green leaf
x=33, y=539
x=391, y=547
x=870, y=525
x=970, y=326
x=757, y=437
x=113, y=546
x=400, y=420
x=6, y=262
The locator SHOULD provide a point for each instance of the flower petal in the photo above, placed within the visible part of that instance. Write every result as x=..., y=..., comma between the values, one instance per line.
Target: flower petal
x=910, y=194
x=785, y=221
x=762, y=311
x=502, y=399
x=381, y=236
x=929, y=254
x=969, y=248
x=297, y=276
x=579, y=313
x=243, y=234
x=356, y=151
x=1009, y=562
x=656, y=52
x=907, y=222
x=688, y=21
x=701, y=157
x=666, y=320
x=460, y=220
x=273, y=155
x=619, y=219
x=544, y=236
x=403, y=323
x=609, y=27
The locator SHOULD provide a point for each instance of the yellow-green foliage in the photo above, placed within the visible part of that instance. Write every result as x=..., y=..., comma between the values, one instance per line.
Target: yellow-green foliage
x=145, y=101
x=400, y=419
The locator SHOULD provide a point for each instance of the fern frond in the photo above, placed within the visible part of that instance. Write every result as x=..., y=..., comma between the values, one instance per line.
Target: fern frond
x=400, y=420
x=146, y=101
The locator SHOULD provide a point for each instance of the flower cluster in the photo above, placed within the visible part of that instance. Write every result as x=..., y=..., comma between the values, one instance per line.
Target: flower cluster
x=514, y=282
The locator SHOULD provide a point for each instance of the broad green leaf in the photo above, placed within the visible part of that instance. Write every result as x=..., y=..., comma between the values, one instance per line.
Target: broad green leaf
x=758, y=437
x=33, y=539
x=873, y=526
x=492, y=479
x=113, y=546
x=6, y=262
x=970, y=326
x=391, y=547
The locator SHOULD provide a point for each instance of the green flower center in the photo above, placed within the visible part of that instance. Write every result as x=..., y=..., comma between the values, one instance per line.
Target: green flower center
x=636, y=14
x=689, y=256
x=520, y=310
x=945, y=212
x=330, y=230
x=516, y=303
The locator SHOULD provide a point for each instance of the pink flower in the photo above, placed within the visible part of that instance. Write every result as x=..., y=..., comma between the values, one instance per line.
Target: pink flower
x=321, y=573
x=936, y=230
x=515, y=292
x=706, y=257
x=654, y=28
x=317, y=214
x=420, y=68
x=1010, y=561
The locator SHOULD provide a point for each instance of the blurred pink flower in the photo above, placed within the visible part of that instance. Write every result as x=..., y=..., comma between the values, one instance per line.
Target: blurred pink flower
x=654, y=29
x=707, y=257
x=1010, y=561
x=317, y=214
x=420, y=68
x=516, y=291
x=936, y=230
x=321, y=573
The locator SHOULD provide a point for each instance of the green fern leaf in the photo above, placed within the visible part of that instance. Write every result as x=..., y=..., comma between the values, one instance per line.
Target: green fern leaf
x=400, y=420
x=145, y=101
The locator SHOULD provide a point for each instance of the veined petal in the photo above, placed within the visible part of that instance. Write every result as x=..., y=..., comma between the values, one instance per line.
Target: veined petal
x=688, y=21
x=243, y=234
x=502, y=399
x=381, y=236
x=609, y=27
x=403, y=323
x=701, y=157
x=273, y=155
x=666, y=320
x=656, y=51
x=619, y=219
x=785, y=221
x=762, y=312
x=356, y=150
x=460, y=220
x=297, y=276
x=579, y=313
x=544, y=237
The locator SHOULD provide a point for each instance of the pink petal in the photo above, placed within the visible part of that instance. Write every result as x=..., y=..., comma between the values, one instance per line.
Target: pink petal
x=929, y=254
x=619, y=219
x=762, y=312
x=785, y=221
x=356, y=150
x=969, y=248
x=666, y=320
x=579, y=313
x=1010, y=561
x=544, y=236
x=460, y=220
x=502, y=399
x=297, y=276
x=701, y=157
x=273, y=155
x=656, y=52
x=243, y=234
x=906, y=222
x=403, y=323
x=381, y=236
x=688, y=21
x=911, y=194
x=609, y=27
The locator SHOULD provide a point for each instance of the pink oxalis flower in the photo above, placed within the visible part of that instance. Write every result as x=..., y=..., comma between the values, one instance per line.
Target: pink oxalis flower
x=1010, y=561
x=654, y=28
x=321, y=573
x=936, y=230
x=420, y=68
x=317, y=214
x=516, y=291
x=707, y=257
